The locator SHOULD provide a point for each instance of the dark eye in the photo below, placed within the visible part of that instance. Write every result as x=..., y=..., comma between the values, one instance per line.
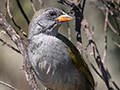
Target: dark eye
x=52, y=13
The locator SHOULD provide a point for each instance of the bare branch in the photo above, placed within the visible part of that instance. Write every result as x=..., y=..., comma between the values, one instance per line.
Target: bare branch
x=113, y=14
x=33, y=5
x=22, y=11
x=83, y=5
x=116, y=43
x=41, y=3
x=8, y=85
x=8, y=10
x=112, y=28
x=105, y=35
x=4, y=43
x=113, y=81
x=115, y=85
x=78, y=19
x=66, y=2
x=87, y=56
x=22, y=46
x=96, y=54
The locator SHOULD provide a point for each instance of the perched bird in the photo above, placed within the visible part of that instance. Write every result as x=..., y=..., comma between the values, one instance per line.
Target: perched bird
x=55, y=60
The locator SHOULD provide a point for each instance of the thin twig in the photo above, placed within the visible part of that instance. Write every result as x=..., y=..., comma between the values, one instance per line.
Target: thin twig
x=96, y=54
x=42, y=3
x=8, y=85
x=115, y=85
x=87, y=56
x=66, y=2
x=83, y=6
x=10, y=15
x=105, y=44
x=112, y=80
x=105, y=35
x=22, y=11
x=33, y=5
x=112, y=28
x=4, y=43
x=78, y=19
x=113, y=14
x=116, y=43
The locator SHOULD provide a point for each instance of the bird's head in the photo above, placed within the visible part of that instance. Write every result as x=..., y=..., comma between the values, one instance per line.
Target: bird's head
x=47, y=21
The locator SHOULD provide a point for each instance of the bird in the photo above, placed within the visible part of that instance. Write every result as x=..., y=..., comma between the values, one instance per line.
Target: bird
x=55, y=60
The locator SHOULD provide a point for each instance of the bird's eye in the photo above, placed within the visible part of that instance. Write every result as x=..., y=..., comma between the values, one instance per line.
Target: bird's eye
x=52, y=13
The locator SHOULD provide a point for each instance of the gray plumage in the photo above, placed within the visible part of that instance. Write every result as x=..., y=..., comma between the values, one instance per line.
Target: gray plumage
x=49, y=56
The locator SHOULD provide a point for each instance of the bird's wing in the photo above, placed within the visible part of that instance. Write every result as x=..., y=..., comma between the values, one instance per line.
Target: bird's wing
x=78, y=60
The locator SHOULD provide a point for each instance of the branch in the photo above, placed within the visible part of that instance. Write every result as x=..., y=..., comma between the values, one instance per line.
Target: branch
x=22, y=46
x=41, y=3
x=10, y=15
x=66, y=2
x=8, y=85
x=4, y=43
x=112, y=13
x=105, y=35
x=116, y=43
x=78, y=19
x=33, y=5
x=117, y=10
x=22, y=11
x=87, y=56
x=112, y=28
x=96, y=54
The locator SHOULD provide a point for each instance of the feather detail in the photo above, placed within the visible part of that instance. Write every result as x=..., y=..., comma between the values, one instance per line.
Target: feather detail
x=78, y=61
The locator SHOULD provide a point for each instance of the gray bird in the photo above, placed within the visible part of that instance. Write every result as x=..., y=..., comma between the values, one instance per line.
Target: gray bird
x=55, y=60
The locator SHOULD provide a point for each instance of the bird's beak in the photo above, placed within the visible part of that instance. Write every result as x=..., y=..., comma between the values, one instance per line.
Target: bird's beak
x=64, y=18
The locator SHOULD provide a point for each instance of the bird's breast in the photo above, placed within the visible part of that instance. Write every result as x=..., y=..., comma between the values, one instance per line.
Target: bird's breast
x=52, y=63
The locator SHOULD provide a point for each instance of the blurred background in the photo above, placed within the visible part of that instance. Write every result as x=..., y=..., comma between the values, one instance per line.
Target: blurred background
x=11, y=62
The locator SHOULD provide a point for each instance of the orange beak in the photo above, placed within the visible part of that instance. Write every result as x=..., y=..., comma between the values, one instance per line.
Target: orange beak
x=64, y=18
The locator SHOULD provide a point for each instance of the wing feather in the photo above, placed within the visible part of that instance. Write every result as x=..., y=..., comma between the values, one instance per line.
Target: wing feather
x=78, y=60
